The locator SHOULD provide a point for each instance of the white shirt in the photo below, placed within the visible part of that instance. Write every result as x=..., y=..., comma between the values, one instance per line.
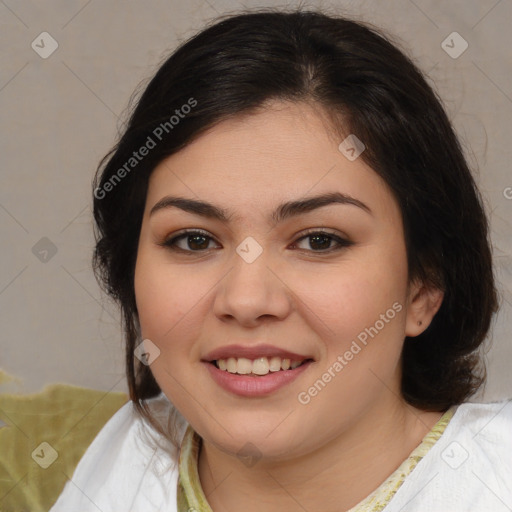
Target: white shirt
x=131, y=468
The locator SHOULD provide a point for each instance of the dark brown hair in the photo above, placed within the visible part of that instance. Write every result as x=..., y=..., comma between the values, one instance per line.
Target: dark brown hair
x=355, y=73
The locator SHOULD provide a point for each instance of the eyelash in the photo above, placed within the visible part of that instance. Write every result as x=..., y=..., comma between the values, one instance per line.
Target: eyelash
x=342, y=243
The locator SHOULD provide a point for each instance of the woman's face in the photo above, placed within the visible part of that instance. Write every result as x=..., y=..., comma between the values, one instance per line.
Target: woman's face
x=264, y=282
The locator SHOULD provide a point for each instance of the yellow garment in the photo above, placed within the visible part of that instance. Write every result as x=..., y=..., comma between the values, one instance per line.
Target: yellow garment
x=66, y=417
x=191, y=497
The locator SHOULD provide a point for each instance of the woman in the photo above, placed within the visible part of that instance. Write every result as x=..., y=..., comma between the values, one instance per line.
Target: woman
x=302, y=261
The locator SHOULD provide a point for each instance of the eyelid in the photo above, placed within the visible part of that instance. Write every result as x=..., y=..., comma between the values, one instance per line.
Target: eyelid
x=190, y=231
x=327, y=231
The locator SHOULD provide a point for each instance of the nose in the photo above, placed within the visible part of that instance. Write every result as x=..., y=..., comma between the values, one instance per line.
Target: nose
x=252, y=293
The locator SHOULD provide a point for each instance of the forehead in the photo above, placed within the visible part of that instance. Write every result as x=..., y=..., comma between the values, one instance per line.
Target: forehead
x=285, y=152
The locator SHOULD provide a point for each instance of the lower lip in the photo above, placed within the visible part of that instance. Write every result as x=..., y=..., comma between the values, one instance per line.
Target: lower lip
x=245, y=385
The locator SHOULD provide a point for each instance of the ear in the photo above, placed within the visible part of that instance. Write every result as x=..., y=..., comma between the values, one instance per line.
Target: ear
x=423, y=303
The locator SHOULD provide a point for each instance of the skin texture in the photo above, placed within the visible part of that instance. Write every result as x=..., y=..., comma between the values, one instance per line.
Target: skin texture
x=332, y=452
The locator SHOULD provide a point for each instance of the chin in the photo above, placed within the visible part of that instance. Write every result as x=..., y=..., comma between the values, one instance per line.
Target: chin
x=258, y=440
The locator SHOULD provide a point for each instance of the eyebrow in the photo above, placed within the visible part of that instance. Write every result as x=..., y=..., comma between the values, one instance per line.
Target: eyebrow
x=282, y=212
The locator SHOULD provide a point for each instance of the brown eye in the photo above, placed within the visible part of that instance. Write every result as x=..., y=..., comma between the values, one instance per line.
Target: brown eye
x=320, y=241
x=189, y=241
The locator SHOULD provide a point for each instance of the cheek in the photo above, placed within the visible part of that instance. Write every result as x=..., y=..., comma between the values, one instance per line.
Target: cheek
x=167, y=299
x=169, y=302
x=345, y=300
x=359, y=314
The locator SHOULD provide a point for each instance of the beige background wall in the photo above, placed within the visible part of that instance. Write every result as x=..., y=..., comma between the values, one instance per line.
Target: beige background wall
x=59, y=115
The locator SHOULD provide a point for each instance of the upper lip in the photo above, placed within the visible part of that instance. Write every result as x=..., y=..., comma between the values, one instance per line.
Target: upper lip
x=253, y=352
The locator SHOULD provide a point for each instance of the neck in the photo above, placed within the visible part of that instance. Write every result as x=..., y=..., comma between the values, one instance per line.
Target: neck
x=333, y=478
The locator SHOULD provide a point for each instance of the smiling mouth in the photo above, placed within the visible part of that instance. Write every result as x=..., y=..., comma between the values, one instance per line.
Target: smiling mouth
x=257, y=367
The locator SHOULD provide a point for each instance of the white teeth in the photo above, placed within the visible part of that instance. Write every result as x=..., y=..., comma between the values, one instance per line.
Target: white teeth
x=231, y=365
x=260, y=366
x=244, y=366
x=275, y=364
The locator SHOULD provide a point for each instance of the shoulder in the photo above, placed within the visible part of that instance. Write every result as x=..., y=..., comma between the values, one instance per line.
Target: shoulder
x=484, y=430
x=468, y=468
x=479, y=414
x=128, y=466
